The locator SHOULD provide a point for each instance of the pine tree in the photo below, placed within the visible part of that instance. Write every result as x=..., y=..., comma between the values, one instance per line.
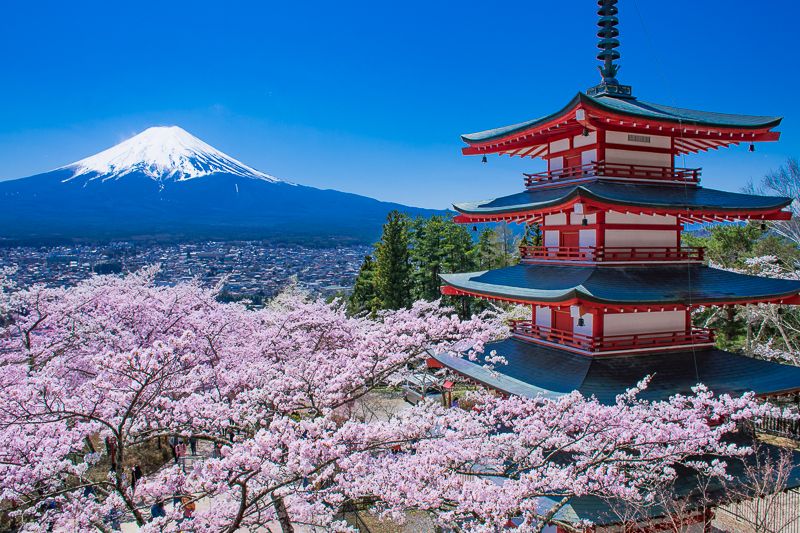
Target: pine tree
x=486, y=253
x=392, y=263
x=427, y=255
x=365, y=296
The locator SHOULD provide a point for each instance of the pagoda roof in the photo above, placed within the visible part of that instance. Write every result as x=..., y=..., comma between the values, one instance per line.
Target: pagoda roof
x=612, y=286
x=739, y=470
x=612, y=112
x=635, y=108
x=651, y=198
x=534, y=370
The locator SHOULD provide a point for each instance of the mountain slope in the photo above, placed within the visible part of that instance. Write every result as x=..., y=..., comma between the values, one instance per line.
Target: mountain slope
x=165, y=183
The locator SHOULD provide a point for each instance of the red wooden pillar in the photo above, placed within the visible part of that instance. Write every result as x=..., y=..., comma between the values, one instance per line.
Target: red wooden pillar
x=597, y=325
x=600, y=232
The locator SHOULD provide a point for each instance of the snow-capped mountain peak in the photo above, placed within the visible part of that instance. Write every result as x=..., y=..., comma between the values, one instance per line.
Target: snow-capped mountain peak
x=162, y=153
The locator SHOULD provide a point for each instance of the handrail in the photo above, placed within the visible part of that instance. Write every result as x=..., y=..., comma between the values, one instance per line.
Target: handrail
x=616, y=170
x=601, y=343
x=613, y=253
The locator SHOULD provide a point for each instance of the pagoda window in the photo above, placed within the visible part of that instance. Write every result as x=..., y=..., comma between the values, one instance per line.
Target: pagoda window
x=640, y=140
x=635, y=157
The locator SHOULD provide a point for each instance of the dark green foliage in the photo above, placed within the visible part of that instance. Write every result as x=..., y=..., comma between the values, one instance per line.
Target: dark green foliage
x=438, y=246
x=412, y=254
x=365, y=295
x=392, y=263
x=730, y=246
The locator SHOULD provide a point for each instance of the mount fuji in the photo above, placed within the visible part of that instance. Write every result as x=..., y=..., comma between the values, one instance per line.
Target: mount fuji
x=166, y=184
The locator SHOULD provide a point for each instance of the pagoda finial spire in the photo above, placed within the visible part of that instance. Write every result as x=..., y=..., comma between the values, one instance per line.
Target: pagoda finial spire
x=607, y=44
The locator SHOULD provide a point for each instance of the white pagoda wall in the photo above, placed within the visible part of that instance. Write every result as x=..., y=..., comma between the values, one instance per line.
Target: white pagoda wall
x=638, y=157
x=586, y=328
x=644, y=322
x=615, y=217
x=639, y=237
x=543, y=316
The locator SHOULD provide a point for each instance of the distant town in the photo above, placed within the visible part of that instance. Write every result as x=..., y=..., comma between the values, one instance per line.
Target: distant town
x=249, y=269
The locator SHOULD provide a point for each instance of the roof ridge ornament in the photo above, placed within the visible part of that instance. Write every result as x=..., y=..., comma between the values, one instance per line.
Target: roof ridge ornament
x=607, y=43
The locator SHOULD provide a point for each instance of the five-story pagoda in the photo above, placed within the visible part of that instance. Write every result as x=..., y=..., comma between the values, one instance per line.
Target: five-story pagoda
x=611, y=289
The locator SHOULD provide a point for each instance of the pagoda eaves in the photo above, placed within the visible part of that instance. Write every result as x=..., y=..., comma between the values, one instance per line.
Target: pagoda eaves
x=690, y=130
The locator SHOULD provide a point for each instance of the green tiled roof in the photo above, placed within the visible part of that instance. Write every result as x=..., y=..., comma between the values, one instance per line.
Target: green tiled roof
x=665, y=196
x=622, y=285
x=637, y=108
x=534, y=369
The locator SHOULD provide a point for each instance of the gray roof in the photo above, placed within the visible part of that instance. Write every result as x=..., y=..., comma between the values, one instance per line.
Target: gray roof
x=655, y=196
x=656, y=284
x=637, y=108
x=535, y=369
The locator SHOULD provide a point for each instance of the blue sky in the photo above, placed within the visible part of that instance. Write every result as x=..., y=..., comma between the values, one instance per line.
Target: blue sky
x=370, y=97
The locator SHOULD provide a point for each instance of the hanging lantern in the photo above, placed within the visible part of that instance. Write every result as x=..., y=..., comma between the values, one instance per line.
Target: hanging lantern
x=763, y=226
x=581, y=322
x=752, y=147
x=585, y=131
x=484, y=160
x=474, y=228
x=585, y=221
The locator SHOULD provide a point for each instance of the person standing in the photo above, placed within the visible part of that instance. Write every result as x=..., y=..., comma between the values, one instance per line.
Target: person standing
x=193, y=445
x=136, y=475
x=157, y=510
x=180, y=452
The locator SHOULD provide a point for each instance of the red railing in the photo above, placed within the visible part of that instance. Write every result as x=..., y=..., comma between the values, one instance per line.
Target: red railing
x=640, y=341
x=612, y=253
x=614, y=170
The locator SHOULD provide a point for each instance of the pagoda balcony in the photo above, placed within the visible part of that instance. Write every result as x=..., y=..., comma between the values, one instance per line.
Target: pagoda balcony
x=527, y=330
x=622, y=171
x=612, y=254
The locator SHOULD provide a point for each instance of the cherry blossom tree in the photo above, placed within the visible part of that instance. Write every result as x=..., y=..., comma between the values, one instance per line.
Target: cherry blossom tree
x=274, y=392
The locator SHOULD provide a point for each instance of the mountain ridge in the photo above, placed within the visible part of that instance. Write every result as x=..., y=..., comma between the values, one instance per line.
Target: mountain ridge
x=166, y=184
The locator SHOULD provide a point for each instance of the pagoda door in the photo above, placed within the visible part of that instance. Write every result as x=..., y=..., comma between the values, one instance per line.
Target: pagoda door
x=569, y=239
x=572, y=161
x=562, y=320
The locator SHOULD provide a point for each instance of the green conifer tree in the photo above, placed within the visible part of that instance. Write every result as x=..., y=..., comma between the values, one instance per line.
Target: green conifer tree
x=365, y=295
x=392, y=263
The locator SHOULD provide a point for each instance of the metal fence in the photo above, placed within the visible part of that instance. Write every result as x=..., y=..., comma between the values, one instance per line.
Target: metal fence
x=780, y=427
x=779, y=513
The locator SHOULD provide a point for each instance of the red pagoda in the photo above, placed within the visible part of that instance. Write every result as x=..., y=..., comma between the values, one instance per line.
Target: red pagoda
x=611, y=289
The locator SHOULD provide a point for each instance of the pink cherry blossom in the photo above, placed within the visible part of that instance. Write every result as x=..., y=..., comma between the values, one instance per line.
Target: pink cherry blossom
x=278, y=391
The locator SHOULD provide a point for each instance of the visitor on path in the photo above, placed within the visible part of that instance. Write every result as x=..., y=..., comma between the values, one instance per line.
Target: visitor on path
x=188, y=507
x=173, y=442
x=136, y=475
x=180, y=452
x=111, y=450
x=193, y=445
x=157, y=510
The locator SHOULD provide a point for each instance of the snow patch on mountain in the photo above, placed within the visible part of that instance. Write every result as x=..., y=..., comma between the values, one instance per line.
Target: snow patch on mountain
x=163, y=153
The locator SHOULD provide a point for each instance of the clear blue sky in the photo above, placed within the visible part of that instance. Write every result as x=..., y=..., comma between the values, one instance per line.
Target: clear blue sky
x=370, y=97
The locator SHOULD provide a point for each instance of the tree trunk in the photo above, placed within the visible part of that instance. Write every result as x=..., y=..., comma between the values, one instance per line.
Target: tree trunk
x=283, y=515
